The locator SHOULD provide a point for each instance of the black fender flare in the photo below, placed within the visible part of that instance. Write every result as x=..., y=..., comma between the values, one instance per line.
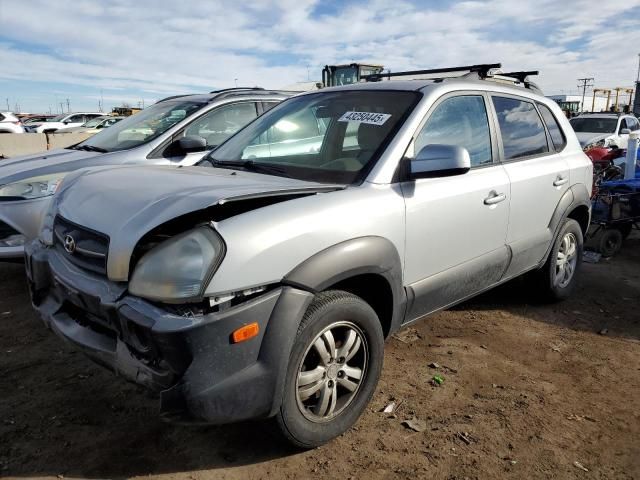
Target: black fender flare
x=344, y=260
x=575, y=196
x=362, y=255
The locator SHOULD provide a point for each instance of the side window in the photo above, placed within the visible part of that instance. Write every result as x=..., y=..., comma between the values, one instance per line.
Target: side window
x=520, y=127
x=77, y=119
x=557, y=137
x=459, y=121
x=266, y=106
x=222, y=122
x=623, y=124
x=633, y=124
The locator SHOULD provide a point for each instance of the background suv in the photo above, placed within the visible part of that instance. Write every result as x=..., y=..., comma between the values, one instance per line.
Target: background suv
x=263, y=283
x=175, y=131
x=9, y=123
x=604, y=129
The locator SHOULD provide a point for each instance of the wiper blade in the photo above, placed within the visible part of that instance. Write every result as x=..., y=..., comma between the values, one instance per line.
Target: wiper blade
x=89, y=148
x=253, y=166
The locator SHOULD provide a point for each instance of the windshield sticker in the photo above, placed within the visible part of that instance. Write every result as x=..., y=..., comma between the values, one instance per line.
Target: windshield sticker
x=365, y=117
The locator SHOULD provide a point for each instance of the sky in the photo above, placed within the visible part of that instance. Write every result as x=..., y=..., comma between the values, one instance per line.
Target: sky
x=140, y=51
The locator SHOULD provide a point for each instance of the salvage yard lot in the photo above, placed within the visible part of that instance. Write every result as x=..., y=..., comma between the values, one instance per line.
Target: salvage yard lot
x=529, y=391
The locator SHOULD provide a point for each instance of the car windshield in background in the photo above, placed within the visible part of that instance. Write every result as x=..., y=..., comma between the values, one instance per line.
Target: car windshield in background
x=594, y=125
x=59, y=118
x=94, y=122
x=141, y=127
x=326, y=137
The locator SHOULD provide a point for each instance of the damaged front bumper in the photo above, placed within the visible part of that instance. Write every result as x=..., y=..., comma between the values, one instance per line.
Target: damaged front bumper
x=189, y=359
x=20, y=221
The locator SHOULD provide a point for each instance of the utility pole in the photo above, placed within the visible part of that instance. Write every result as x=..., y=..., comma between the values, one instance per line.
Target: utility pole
x=584, y=83
x=68, y=106
x=8, y=104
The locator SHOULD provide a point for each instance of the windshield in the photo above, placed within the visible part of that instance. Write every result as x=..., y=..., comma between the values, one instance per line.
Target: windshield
x=594, y=124
x=142, y=127
x=325, y=137
x=59, y=118
x=94, y=122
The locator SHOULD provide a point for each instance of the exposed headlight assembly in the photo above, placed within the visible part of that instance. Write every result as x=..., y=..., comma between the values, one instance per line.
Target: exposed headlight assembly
x=30, y=188
x=179, y=268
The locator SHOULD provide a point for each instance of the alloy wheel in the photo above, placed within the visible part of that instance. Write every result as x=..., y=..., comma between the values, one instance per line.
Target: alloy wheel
x=331, y=371
x=566, y=260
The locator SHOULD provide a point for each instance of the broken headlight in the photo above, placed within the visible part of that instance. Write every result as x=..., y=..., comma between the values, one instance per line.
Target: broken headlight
x=35, y=187
x=179, y=268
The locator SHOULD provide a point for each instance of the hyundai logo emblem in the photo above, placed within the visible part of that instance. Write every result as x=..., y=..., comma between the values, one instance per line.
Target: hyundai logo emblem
x=69, y=244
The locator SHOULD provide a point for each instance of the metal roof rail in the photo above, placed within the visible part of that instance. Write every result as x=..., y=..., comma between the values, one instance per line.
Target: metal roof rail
x=517, y=78
x=482, y=70
x=222, y=90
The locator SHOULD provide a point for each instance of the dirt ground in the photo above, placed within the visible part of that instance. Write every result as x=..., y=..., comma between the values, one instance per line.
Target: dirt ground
x=530, y=391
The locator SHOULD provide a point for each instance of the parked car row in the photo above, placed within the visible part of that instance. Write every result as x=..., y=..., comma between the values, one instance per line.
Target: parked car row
x=69, y=122
x=61, y=122
x=244, y=255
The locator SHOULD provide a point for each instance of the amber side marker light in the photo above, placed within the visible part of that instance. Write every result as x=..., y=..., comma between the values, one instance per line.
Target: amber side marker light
x=245, y=333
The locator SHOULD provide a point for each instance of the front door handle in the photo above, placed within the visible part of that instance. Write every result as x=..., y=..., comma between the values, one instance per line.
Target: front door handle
x=560, y=181
x=494, y=198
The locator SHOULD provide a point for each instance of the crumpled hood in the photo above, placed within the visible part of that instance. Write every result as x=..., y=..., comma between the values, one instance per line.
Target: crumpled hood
x=126, y=202
x=44, y=163
x=585, y=138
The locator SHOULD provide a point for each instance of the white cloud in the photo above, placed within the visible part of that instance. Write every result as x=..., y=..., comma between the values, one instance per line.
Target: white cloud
x=170, y=47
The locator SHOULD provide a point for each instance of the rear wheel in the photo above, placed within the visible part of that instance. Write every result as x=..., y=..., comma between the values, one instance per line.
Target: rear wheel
x=557, y=277
x=609, y=241
x=333, y=369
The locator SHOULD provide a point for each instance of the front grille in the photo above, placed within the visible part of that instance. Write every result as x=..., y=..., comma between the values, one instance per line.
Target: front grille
x=82, y=246
x=7, y=230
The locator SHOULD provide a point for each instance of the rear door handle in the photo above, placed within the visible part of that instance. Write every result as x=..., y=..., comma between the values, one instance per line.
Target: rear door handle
x=560, y=181
x=494, y=198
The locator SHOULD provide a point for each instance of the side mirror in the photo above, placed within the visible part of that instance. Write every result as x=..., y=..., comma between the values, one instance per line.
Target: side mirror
x=625, y=131
x=192, y=143
x=67, y=122
x=437, y=160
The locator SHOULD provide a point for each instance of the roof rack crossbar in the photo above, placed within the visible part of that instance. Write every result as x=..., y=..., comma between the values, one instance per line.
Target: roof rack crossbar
x=481, y=69
x=520, y=75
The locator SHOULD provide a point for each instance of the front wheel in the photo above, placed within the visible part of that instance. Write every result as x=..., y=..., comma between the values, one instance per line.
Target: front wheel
x=333, y=369
x=557, y=278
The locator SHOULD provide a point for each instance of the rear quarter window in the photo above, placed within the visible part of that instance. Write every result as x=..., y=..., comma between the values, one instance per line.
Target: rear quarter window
x=521, y=128
x=555, y=131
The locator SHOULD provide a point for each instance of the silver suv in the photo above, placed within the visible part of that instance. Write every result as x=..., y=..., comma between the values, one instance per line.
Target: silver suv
x=264, y=282
x=177, y=130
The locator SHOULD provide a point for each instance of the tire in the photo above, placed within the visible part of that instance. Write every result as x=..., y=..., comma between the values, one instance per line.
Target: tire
x=610, y=241
x=554, y=286
x=303, y=418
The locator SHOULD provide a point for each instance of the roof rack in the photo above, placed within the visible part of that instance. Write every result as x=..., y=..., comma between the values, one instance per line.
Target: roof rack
x=522, y=76
x=482, y=70
x=222, y=90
